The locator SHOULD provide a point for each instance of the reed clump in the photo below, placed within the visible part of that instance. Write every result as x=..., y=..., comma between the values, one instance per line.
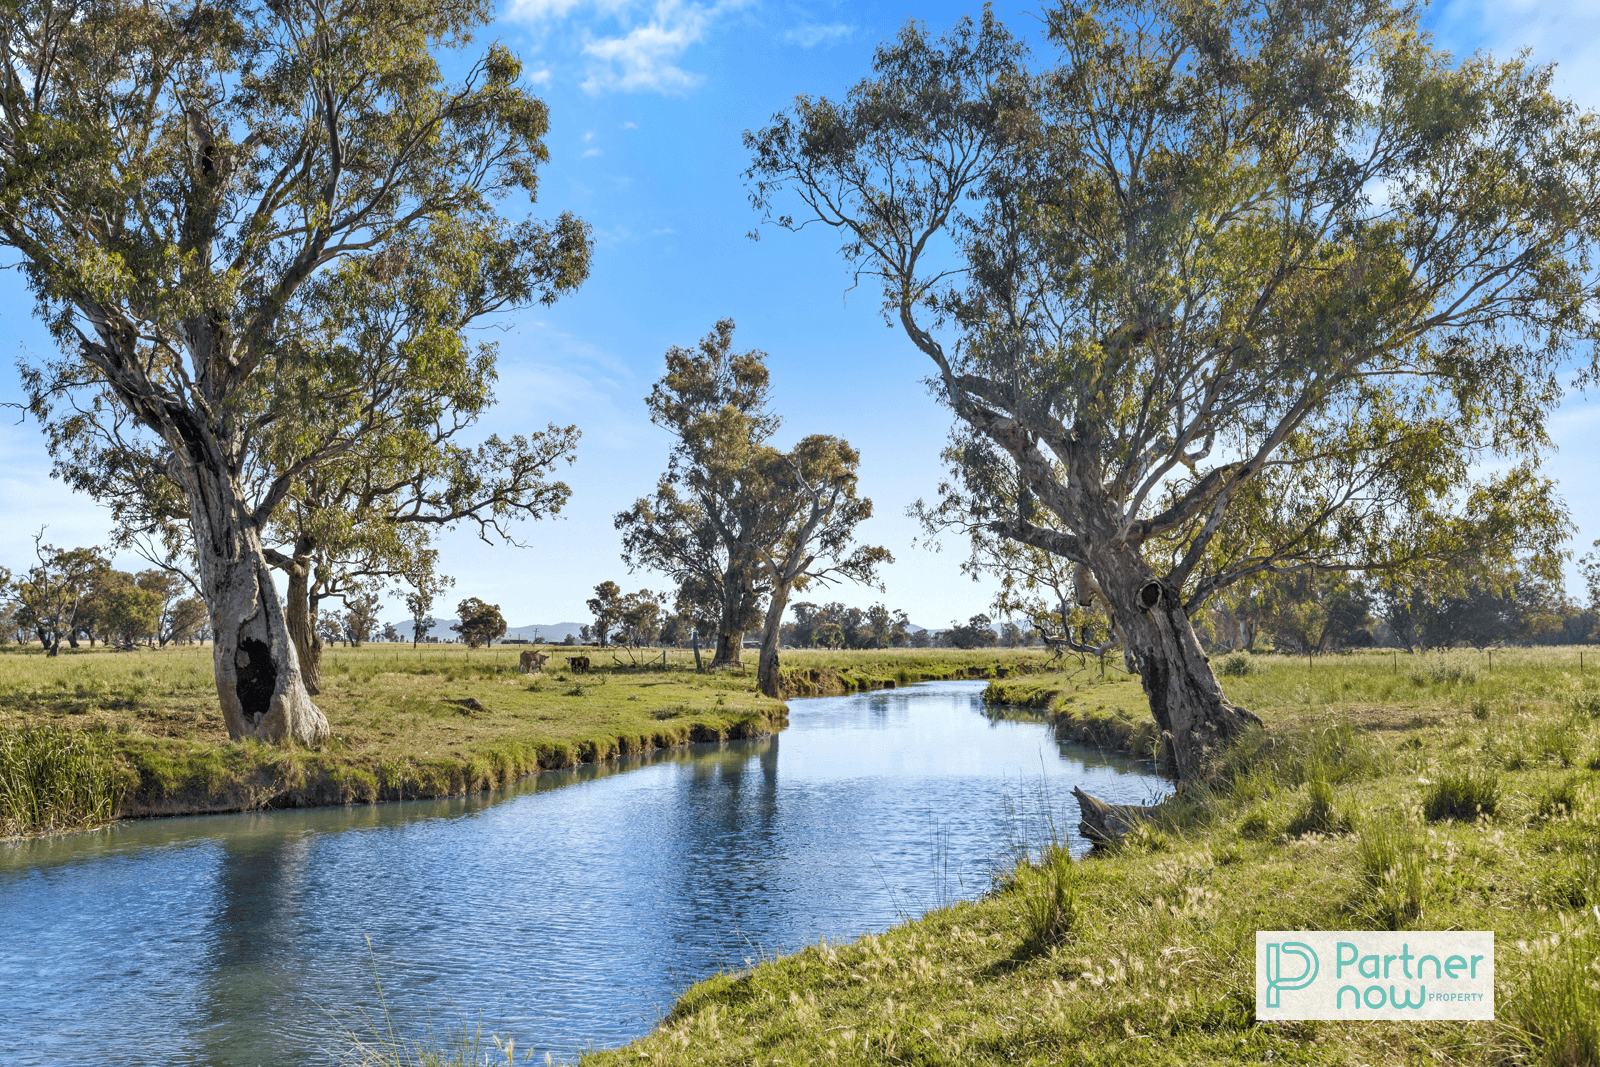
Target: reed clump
x=55, y=778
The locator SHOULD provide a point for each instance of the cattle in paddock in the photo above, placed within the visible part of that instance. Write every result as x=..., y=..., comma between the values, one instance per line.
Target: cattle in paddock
x=532, y=660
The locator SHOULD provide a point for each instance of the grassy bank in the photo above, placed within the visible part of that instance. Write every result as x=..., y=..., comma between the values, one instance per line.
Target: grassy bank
x=1423, y=793
x=406, y=724
x=819, y=672
x=91, y=735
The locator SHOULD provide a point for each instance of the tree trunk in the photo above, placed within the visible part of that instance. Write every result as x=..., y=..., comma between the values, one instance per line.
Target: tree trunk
x=767, y=676
x=302, y=622
x=259, y=684
x=730, y=647
x=1195, y=718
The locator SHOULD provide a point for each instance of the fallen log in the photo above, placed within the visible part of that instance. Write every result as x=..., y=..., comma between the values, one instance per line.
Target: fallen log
x=1104, y=823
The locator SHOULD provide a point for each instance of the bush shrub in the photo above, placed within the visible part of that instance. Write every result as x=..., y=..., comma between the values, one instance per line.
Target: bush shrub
x=1237, y=665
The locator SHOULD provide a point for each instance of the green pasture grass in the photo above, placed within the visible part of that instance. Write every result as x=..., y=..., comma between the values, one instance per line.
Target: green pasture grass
x=405, y=723
x=1144, y=955
x=411, y=722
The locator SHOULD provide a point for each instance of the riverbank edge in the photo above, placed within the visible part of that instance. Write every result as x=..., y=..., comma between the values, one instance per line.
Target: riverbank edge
x=831, y=681
x=249, y=776
x=1116, y=729
x=1142, y=955
x=243, y=777
x=304, y=778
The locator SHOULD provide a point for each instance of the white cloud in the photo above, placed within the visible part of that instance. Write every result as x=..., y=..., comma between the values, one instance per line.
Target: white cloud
x=631, y=45
x=539, y=77
x=590, y=152
x=812, y=34
x=1566, y=32
x=643, y=58
x=551, y=10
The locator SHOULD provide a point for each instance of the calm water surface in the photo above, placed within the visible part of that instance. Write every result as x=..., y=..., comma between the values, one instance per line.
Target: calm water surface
x=568, y=912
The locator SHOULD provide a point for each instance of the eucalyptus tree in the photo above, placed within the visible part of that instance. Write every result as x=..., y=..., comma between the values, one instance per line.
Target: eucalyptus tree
x=699, y=527
x=1281, y=255
x=371, y=518
x=808, y=513
x=52, y=594
x=419, y=605
x=198, y=195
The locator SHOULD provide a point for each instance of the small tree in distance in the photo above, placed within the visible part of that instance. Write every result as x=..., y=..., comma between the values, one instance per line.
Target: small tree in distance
x=607, y=607
x=480, y=623
x=360, y=616
x=419, y=604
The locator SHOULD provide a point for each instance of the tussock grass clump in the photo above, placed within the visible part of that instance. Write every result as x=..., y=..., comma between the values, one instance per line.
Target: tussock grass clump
x=55, y=778
x=1558, y=800
x=1047, y=900
x=1558, y=1012
x=1236, y=665
x=1255, y=826
x=1446, y=670
x=1463, y=794
x=1318, y=815
x=1391, y=857
x=1575, y=883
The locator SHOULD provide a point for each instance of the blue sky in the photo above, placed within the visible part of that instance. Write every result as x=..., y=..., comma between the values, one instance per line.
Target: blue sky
x=648, y=101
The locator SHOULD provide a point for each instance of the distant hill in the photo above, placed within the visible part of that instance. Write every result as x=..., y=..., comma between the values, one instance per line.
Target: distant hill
x=553, y=634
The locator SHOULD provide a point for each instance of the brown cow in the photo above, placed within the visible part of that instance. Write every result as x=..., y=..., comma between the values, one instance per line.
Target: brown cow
x=532, y=660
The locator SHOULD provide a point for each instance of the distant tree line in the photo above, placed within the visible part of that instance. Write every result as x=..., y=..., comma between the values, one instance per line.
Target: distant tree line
x=73, y=595
x=1526, y=604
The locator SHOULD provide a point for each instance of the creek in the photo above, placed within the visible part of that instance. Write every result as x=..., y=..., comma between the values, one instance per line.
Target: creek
x=568, y=911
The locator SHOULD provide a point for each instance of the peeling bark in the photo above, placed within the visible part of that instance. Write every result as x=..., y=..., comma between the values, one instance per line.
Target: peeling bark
x=302, y=622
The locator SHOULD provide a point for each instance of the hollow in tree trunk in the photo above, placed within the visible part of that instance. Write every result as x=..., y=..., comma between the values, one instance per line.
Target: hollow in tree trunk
x=259, y=684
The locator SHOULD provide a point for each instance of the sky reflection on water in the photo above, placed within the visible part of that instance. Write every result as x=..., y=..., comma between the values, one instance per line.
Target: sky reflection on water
x=567, y=911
